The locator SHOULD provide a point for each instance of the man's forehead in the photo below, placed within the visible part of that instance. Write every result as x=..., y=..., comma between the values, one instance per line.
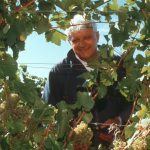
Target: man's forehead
x=83, y=32
x=80, y=23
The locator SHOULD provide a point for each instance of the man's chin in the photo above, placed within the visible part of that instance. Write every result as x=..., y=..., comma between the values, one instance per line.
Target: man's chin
x=85, y=58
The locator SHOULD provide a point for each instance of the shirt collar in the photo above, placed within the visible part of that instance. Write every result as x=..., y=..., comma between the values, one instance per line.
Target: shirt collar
x=84, y=63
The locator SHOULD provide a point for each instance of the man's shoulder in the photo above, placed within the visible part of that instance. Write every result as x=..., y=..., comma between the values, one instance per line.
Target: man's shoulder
x=63, y=65
x=59, y=67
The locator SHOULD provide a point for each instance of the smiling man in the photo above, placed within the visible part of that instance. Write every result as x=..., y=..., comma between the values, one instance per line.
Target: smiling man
x=63, y=80
x=62, y=83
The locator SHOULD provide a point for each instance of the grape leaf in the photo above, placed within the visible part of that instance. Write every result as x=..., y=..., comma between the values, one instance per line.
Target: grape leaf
x=129, y=130
x=63, y=116
x=141, y=113
x=85, y=100
x=55, y=36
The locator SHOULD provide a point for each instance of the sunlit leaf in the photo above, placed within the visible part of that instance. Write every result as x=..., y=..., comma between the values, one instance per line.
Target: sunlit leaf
x=141, y=113
x=114, y=5
x=129, y=130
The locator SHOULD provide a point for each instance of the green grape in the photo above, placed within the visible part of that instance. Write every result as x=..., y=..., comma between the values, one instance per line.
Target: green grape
x=118, y=144
x=139, y=144
x=82, y=134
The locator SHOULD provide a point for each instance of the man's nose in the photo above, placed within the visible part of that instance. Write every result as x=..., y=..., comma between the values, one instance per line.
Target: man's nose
x=81, y=43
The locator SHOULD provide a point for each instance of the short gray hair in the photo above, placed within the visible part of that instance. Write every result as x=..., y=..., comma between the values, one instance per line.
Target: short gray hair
x=80, y=23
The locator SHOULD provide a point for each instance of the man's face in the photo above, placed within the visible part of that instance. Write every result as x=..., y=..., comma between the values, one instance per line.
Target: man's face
x=84, y=43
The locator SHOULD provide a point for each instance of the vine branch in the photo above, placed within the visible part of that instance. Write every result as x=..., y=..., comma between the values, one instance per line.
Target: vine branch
x=24, y=6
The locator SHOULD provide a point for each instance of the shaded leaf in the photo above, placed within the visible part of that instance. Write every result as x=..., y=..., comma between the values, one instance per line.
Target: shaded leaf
x=87, y=117
x=42, y=25
x=55, y=37
x=85, y=100
x=52, y=144
x=15, y=127
x=102, y=90
x=63, y=117
x=118, y=36
x=4, y=143
x=8, y=67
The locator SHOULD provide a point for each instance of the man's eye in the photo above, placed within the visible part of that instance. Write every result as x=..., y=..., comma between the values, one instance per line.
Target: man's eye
x=88, y=37
x=75, y=41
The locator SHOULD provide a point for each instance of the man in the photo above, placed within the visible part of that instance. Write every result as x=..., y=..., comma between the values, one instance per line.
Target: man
x=63, y=82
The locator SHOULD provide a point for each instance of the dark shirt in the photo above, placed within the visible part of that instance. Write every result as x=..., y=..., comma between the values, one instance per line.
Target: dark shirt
x=63, y=83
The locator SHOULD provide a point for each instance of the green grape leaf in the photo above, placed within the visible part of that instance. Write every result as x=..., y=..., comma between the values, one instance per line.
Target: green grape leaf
x=129, y=130
x=15, y=126
x=86, y=75
x=145, y=69
x=55, y=36
x=85, y=100
x=88, y=118
x=107, y=82
x=42, y=25
x=27, y=90
x=122, y=16
x=107, y=38
x=11, y=37
x=97, y=4
x=4, y=143
x=8, y=67
x=38, y=135
x=52, y=144
x=147, y=53
x=141, y=113
x=63, y=117
x=21, y=144
x=141, y=60
x=46, y=6
x=118, y=36
x=102, y=90
x=114, y=5
x=130, y=2
x=148, y=140
x=114, y=75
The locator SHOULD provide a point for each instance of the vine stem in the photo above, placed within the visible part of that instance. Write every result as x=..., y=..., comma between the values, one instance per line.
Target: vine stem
x=132, y=110
x=79, y=119
x=136, y=136
x=46, y=131
x=24, y=6
x=5, y=82
x=146, y=91
x=45, y=135
x=145, y=14
x=5, y=90
x=123, y=57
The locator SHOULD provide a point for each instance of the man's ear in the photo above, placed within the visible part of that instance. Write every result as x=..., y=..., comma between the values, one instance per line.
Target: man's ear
x=97, y=36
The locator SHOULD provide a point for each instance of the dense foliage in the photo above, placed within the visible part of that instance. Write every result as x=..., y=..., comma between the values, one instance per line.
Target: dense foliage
x=26, y=122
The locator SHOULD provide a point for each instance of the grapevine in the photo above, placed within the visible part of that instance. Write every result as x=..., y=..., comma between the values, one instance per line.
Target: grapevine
x=26, y=121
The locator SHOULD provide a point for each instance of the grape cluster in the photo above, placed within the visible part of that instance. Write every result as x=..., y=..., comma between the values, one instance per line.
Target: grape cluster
x=119, y=144
x=139, y=144
x=82, y=134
